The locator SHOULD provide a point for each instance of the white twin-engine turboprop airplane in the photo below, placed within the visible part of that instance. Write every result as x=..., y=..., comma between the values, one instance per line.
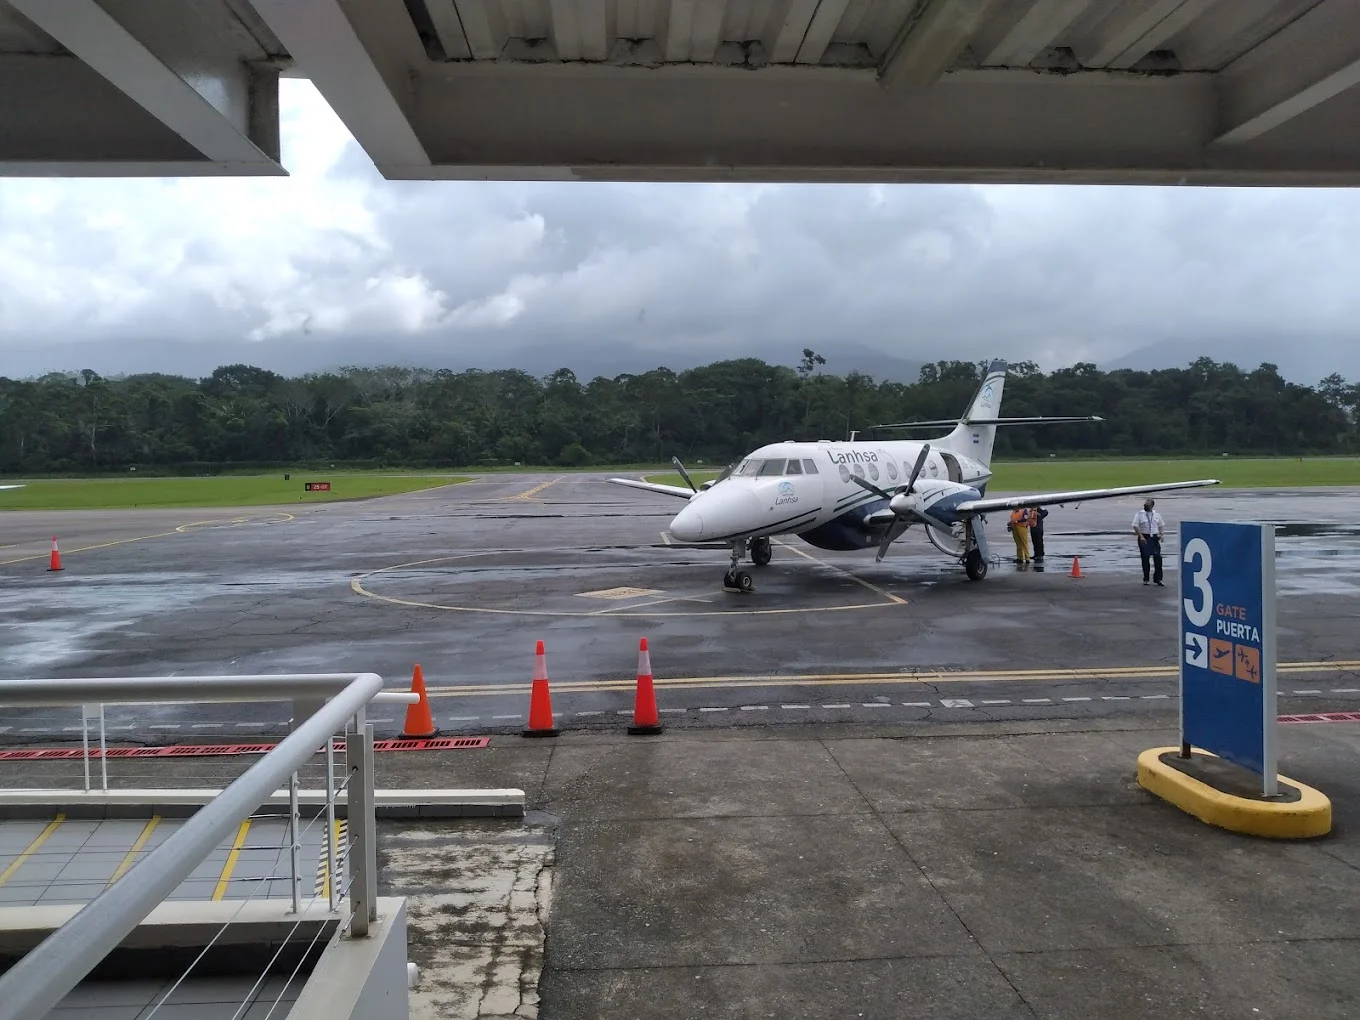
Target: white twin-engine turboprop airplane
x=858, y=494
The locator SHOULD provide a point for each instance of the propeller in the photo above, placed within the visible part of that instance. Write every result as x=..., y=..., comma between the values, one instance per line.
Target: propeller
x=904, y=510
x=683, y=473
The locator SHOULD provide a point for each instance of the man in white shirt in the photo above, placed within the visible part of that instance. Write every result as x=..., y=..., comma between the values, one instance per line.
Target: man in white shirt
x=1148, y=527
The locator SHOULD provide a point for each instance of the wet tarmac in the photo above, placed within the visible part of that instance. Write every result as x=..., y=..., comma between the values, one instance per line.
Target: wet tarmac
x=464, y=580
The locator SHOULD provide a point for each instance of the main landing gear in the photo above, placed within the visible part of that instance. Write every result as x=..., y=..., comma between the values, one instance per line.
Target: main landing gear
x=974, y=560
x=741, y=580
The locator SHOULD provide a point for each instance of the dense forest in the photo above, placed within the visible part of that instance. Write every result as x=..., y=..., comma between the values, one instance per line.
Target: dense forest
x=242, y=416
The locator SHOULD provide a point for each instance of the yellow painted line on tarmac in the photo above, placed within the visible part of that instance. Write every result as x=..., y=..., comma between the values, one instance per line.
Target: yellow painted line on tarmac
x=230, y=866
x=867, y=679
x=858, y=580
x=31, y=849
x=527, y=496
x=131, y=855
x=181, y=530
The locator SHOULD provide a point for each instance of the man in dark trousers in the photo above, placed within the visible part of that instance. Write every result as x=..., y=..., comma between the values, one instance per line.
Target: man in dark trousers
x=1148, y=526
x=1036, y=531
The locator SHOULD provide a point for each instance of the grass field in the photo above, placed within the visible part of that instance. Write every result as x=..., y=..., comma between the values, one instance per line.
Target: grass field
x=229, y=490
x=1048, y=476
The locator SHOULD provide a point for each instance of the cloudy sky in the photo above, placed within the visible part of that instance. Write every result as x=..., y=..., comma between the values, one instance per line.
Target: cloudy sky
x=335, y=265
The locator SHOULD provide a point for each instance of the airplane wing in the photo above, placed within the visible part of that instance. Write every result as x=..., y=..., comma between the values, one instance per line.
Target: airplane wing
x=666, y=490
x=982, y=506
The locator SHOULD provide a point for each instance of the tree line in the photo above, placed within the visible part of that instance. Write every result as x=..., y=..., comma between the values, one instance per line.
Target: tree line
x=243, y=416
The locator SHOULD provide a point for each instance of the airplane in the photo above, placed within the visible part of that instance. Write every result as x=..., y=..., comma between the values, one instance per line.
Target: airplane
x=857, y=494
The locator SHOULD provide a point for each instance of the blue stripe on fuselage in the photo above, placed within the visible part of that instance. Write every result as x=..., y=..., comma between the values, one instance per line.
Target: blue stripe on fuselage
x=847, y=532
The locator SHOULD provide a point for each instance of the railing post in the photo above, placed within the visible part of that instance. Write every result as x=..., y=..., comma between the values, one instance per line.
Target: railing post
x=363, y=855
x=103, y=750
x=332, y=873
x=85, y=742
x=293, y=838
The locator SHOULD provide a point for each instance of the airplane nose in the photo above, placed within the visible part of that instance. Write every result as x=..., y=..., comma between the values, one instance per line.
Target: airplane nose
x=688, y=526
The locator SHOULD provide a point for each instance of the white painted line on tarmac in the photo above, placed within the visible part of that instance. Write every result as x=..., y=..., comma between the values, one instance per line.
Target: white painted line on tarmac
x=874, y=704
x=835, y=706
x=679, y=711
x=517, y=715
x=590, y=713
x=1004, y=701
x=5, y=729
x=754, y=708
x=794, y=706
x=1155, y=697
x=464, y=718
x=126, y=727
x=166, y=726
x=917, y=704
x=1038, y=701
x=378, y=722
x=1310, y=691
x=956, y=703
x=1076, y=699
x=1346, y=690
x=712, y=710
x=246, y=726
x=1114, y=697
x=35, y=729
x=208, y=726
x=70, y=729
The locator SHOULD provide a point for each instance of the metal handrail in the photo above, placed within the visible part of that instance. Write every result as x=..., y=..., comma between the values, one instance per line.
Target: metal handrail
x=44, y=976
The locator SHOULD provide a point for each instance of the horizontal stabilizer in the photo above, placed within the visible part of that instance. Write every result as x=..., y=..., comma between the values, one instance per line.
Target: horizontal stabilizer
x=982, y=506
x=665, y=490
x=943, y=422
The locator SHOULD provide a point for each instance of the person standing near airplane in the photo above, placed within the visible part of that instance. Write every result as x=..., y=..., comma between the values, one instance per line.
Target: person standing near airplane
x=1019, y=525
x=1148, y=527
x=1036, y=531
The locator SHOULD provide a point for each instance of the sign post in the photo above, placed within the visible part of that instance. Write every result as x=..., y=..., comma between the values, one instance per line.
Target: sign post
x=1227, y=644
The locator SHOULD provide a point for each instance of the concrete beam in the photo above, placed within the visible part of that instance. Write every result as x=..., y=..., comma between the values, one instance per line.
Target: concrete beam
x=785, y=124
x=929, y=44
x=205, y=94
x=1313, y=59
x=1035, y=32
x=372, y=102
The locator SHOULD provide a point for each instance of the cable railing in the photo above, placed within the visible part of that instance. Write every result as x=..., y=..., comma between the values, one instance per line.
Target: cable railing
x=323, y=705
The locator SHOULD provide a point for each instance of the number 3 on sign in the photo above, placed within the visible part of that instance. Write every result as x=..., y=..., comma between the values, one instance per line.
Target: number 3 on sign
x=1195, y=549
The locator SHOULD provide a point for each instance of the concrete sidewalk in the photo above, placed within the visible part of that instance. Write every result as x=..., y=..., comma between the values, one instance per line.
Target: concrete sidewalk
x=1004, y=870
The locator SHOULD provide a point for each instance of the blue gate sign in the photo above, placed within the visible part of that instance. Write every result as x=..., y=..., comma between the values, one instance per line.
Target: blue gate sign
x=1227, y=638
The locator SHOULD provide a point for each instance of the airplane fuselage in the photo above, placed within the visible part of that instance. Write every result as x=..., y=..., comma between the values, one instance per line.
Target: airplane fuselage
x=808, y=490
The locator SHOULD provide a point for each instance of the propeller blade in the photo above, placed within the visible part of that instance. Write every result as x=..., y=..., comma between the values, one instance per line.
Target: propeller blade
x=920, y=463
x=866, y=484
x=683, y=473
x=894, y=532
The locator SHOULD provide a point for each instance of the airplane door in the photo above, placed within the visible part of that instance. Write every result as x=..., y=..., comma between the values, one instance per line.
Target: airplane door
x=952, y=466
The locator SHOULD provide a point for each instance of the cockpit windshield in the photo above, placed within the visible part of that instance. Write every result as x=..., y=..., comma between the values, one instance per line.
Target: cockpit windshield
x=766, y=468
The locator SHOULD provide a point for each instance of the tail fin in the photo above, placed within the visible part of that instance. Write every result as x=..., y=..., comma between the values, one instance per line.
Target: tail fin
x=969, y=437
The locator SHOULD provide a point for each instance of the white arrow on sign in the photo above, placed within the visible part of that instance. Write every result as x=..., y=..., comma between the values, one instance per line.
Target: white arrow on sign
x=1196, y=649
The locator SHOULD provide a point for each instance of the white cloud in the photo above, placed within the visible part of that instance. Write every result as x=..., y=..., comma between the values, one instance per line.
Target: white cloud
x=333, y=258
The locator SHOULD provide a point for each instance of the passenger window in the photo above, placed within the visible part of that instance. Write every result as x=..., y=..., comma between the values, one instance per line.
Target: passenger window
x=809, y=466
x=794, y=468
x=845, y=473
x=772, y=467
x=873, y=470
x=892, y=469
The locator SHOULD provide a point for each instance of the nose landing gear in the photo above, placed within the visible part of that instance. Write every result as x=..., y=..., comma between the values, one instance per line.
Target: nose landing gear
x=740, y=580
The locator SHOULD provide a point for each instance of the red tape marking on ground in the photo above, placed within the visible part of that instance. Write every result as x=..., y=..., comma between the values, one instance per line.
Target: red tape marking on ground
x=1322, y=717
x=201, y=750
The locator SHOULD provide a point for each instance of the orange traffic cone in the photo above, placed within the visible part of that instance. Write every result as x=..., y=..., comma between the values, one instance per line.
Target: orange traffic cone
x=1076, y=567
x=56, y=556
x=419, y=722
x=645, y=717
x=540, y=701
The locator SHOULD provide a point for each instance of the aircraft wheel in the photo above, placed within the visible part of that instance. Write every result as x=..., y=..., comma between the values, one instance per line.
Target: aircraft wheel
x=975, y=565
x=762, y=551
x=744, y=581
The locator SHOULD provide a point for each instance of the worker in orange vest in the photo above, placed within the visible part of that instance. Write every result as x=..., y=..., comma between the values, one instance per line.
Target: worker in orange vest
x=1019, y=528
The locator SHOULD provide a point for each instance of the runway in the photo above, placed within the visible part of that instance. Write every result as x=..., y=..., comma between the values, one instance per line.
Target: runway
x=465, y=579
